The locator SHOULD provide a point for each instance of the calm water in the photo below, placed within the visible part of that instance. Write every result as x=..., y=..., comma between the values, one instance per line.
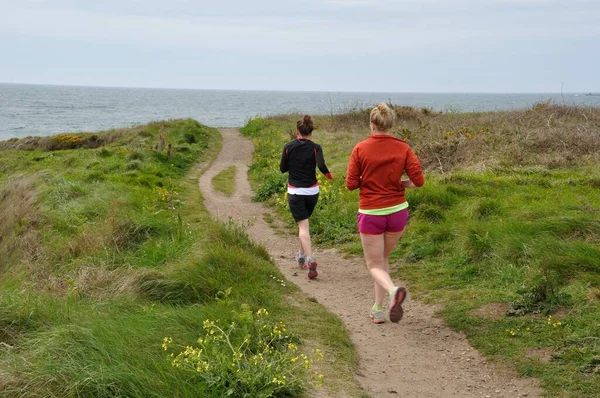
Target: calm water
x=45, y=110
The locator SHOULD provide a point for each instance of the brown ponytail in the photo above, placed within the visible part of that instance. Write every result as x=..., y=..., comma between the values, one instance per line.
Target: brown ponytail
x=305, y=126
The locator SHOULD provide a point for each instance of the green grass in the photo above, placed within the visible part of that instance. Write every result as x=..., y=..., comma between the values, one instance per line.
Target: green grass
x=225, y=181
x=108, y=250
x=523, y=238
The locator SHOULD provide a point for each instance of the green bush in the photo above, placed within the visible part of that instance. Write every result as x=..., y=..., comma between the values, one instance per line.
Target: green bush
x=273, y=185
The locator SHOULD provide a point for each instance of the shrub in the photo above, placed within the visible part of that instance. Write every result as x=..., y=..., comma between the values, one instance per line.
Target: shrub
x=541, y=295
x=406, y=112
x=190, y=138
x=64, y=141
x=274, y=184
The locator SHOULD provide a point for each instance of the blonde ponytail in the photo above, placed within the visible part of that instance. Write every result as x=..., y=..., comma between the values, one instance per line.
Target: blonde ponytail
x=383, y=116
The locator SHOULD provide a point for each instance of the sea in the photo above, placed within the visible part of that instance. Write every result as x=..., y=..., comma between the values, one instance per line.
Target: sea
x=41, y=110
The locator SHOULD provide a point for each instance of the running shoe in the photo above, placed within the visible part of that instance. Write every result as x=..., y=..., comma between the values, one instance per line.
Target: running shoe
x=396, y=300
x=301, y=259
x=377, y=316
x=312, y=268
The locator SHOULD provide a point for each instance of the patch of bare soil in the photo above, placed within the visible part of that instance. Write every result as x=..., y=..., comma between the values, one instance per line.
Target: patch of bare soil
x=419, y=357
x=541, y=354
x=491, y=311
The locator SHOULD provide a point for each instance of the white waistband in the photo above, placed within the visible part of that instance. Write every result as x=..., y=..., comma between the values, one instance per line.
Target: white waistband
x=303, y=191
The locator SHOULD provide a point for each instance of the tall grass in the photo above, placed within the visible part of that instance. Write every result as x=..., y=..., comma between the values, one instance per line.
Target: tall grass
x=508, y=220
x=107, y=250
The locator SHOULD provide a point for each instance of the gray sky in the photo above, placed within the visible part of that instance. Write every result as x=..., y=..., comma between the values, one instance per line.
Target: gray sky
x=314, y=45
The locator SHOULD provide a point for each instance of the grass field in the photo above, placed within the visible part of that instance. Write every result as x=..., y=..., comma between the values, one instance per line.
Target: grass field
x=224, y=182
x=504, y=236
x=113, y=278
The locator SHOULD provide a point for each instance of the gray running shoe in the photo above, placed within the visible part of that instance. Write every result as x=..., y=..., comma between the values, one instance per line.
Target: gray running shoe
x=301, y=259
x=377, y=316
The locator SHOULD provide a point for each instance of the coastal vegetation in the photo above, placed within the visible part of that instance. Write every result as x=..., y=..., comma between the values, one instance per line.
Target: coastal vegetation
x=115, y=281
x=504, y=237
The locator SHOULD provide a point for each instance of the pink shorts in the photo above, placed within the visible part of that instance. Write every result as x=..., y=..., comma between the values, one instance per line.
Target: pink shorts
x=376, y=225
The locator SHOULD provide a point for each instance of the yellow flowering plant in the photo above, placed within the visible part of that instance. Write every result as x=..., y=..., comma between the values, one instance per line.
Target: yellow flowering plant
x=67, y=138
x=252, y=356
x=166, y=197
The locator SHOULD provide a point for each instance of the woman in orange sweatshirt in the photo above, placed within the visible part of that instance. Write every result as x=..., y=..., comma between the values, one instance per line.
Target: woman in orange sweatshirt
x=376, y=167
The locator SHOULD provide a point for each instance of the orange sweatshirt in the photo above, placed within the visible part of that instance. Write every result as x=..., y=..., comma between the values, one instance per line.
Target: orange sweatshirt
x=376, y=167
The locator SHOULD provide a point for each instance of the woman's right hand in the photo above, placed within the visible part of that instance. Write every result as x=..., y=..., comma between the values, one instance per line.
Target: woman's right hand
x=408, y=184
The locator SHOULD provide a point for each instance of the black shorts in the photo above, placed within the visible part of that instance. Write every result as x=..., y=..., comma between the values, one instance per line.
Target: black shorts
x=302, y=206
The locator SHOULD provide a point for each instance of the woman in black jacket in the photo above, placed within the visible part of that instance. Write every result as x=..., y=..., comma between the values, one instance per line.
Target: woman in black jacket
x=300, y=157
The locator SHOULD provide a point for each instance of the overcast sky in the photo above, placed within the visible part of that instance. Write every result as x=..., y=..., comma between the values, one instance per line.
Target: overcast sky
x=314, y=45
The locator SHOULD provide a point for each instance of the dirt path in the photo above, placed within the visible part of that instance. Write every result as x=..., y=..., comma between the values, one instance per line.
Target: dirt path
x=419, y=357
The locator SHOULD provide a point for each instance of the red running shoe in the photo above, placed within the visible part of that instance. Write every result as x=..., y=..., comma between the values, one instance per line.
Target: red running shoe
x=396, y=310
x=312, y=269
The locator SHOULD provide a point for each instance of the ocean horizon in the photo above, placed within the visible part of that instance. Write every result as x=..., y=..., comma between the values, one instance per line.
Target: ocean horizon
x=41, y=110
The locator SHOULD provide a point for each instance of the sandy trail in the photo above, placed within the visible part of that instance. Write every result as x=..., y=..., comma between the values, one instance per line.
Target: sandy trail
x=419, y=357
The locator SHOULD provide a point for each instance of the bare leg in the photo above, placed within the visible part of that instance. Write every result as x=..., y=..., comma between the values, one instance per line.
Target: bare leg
x=304, y=236
x=390, y=241
x=373, y=248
